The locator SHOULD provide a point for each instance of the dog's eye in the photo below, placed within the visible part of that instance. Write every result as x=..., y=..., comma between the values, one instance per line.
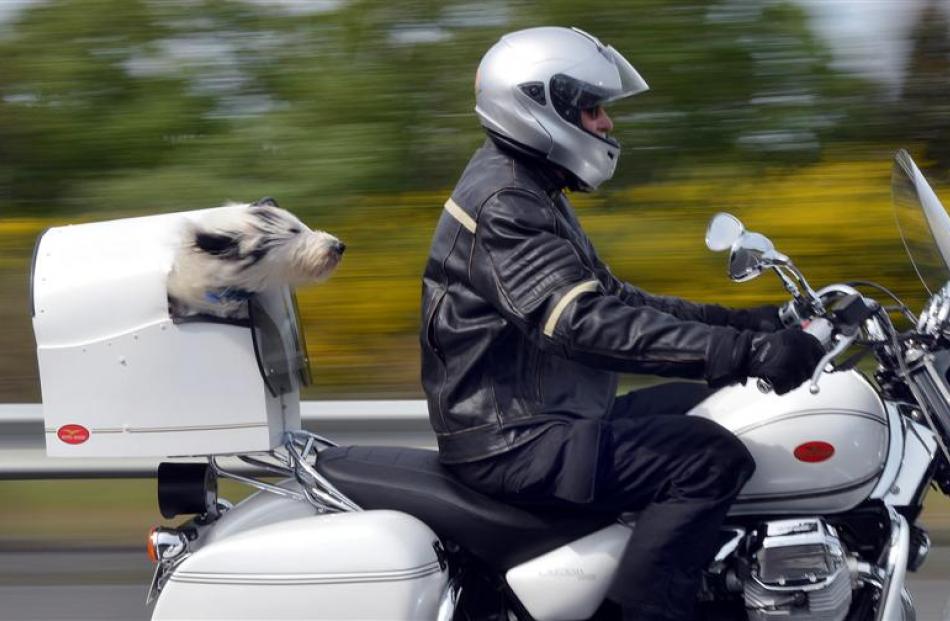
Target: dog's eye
x=294, y=230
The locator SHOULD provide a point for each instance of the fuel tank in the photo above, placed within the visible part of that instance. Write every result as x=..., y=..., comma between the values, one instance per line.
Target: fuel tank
x=819, y=453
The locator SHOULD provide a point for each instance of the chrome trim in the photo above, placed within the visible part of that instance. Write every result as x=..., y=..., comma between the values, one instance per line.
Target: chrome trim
x=818, y=586
x=397, y=575
x=799, y=413
x=866, y=573
x=163, y=571
x=460, y=216
x=280, y=470
x=168, y=543
x=812, y=493
x=317, y=488
x=922, y=552
x=300, y=449
x=587, y=286
x=730, y=546
x=939, y=382
x=264, y=487
x=177, y=429
x=895, y=570
x=449, y=601
x=896, y=446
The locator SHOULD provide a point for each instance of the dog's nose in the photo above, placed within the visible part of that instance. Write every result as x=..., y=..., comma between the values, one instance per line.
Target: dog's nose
x=339, y=247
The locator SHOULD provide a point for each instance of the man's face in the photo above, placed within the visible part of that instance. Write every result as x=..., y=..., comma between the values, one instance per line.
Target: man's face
x=596, y=121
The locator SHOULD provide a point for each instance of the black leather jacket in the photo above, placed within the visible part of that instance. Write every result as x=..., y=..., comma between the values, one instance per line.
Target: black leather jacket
x=524, y=326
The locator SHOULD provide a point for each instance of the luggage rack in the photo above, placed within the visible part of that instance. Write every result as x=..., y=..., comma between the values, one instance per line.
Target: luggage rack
x=294, y=460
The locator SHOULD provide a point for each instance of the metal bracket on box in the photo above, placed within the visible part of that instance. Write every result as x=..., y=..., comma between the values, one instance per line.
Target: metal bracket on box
x=295, y=461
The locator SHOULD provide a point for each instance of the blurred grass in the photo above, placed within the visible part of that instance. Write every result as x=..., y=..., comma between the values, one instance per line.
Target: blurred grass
x=84, y=513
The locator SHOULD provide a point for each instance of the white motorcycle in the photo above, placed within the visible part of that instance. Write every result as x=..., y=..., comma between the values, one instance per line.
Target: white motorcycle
x=824, y=531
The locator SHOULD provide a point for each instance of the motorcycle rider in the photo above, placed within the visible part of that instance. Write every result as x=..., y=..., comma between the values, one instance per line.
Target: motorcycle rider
x=525, y=330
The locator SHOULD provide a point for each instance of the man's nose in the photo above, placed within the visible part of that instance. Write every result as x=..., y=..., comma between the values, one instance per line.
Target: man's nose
x=604, y=123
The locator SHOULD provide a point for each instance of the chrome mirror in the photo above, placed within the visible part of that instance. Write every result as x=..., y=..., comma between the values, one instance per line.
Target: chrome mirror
x=723, y=231
x=751, y=253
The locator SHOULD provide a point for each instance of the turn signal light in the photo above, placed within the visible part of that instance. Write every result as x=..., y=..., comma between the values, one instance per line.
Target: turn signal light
x=150, y=546
x=165, y=544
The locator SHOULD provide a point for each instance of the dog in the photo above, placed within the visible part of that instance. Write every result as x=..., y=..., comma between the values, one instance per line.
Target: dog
x=229, y=254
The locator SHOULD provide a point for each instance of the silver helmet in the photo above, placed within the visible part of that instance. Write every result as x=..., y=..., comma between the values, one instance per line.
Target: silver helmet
x=532, y=84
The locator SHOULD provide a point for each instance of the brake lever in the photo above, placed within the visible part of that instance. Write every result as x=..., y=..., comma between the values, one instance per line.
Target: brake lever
x=842, y=344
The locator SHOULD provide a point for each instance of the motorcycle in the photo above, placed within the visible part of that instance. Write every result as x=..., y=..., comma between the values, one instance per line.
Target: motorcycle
x=826, y=529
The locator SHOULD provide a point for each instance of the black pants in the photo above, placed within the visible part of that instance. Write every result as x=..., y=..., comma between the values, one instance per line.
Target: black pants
x=680, y=472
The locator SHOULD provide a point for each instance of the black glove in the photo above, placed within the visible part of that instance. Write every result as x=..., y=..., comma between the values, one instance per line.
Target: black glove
x=785, y=358
x=759, y=319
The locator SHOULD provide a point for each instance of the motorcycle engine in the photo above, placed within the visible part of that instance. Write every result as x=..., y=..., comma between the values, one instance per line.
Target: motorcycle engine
x=797, y=570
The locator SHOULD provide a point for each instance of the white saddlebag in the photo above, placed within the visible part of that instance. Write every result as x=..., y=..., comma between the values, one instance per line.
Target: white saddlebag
x=369, y=565
x=120, y=379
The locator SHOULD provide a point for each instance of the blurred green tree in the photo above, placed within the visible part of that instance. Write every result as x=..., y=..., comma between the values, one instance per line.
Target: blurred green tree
x=78, y=100
x=108, y=102
x=924, y=107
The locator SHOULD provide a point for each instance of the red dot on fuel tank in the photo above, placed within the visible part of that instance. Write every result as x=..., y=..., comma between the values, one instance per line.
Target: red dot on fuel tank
x=814, y=452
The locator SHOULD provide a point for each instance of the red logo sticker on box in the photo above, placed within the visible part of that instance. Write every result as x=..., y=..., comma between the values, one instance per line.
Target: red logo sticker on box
x=72, y=434
x=814, y=452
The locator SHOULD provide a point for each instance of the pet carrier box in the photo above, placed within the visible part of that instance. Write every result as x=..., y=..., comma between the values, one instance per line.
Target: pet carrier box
x=121, y=377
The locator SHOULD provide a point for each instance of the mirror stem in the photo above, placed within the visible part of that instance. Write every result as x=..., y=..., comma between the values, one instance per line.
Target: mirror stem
x=787, y=282
x=813, y=300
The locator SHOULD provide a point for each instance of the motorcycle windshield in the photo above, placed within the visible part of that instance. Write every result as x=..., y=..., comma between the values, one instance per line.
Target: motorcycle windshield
x=922, y=221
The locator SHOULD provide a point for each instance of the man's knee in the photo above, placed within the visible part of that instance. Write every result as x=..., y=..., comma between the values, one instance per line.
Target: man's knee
x=739, y=460
x=726, y=458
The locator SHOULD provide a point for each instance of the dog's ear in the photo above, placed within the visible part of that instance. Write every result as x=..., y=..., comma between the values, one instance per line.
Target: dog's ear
x=219, y=244
x=267, y=201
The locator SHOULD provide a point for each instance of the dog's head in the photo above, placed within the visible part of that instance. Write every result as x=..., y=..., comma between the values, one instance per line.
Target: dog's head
x=264, y=242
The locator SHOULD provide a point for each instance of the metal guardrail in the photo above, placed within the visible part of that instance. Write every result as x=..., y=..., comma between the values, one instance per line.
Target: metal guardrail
x=384, y=422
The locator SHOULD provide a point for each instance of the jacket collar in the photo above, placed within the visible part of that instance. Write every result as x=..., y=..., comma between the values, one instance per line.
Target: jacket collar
x=549, y=176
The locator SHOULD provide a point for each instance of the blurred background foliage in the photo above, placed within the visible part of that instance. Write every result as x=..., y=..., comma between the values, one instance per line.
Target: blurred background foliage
x=358, y=117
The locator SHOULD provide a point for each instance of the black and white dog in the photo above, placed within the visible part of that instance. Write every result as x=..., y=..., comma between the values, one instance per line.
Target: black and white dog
x=229, y=254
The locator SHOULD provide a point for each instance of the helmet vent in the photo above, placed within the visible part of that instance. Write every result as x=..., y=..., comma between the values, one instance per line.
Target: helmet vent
x=534, y=90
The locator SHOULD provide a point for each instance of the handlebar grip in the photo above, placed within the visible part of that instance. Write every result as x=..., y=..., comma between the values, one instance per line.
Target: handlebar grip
x=821, y=329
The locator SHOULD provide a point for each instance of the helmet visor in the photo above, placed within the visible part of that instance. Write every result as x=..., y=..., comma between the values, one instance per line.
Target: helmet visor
x=572, y=93
x=630, y=81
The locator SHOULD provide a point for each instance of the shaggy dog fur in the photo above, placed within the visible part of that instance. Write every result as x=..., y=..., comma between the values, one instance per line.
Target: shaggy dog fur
x=232, y=253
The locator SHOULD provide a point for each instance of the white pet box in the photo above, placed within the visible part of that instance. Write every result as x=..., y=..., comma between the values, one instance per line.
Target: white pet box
x=121, y=378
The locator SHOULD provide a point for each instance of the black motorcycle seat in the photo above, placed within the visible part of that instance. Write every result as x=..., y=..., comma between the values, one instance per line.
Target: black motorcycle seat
x=414, y=482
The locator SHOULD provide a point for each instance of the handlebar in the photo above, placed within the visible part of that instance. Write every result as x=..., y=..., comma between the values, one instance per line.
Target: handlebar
x=835, y=336
x=823, y=330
